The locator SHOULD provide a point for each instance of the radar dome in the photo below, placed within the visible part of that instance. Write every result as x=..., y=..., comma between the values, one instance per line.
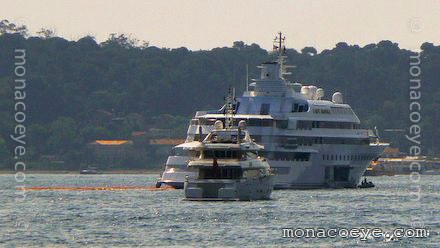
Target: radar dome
x=305, y=91
x=242, y=124
x=312, y=91
x=218, y=125
x=296, y=87
x=337, y=98
x=319, y=94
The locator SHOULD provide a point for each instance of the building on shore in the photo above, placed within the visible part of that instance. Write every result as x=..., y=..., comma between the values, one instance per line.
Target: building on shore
x=110, y=153
x=394, y=162
x=144, y=149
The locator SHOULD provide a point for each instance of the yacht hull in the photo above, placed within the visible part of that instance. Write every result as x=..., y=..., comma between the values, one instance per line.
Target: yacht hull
x=320, y=172
x=229, y=190
x=313, y=174
x=175, y=172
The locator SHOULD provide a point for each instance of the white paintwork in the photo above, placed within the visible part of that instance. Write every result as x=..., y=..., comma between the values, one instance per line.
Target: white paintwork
x=254, y=182
x=273, y=89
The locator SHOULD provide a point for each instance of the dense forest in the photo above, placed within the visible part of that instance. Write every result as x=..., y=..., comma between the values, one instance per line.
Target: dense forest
x=75, y=89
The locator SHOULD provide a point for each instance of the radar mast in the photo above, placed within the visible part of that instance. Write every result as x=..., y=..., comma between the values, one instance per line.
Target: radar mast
x=229, y=111
x=280, y=48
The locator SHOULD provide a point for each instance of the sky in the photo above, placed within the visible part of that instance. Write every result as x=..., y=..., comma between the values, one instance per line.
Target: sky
x=206, y=24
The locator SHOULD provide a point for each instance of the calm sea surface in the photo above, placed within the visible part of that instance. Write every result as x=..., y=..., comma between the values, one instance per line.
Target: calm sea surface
x=141, y=218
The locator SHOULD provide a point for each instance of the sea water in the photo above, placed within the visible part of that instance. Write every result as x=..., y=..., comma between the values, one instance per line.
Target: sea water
x=143, y=218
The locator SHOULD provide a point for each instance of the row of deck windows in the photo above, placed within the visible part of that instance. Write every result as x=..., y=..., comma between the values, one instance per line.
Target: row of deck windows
x=284, y=156
x=223, y=154
x=326, y=124
x=308, y=141
x=222, y=172
x=304, y=141
x=298, y=107
x=283, y=124
x=345, y=157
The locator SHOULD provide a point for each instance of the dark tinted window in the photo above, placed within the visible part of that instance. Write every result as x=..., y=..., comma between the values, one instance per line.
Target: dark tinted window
x=265, y=107
x=295, y=107
x=220, y=173
x=227, y=154
x=282, y=124
x=298, y=156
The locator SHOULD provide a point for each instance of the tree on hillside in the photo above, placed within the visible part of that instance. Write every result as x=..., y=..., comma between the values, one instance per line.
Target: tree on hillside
x=78, y=91
x=7, y=27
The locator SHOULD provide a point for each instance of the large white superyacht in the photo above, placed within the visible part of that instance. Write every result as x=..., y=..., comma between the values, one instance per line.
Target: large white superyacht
x=310, y=142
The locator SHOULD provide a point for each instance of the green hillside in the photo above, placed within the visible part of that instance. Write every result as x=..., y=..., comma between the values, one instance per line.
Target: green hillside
x=80, y=91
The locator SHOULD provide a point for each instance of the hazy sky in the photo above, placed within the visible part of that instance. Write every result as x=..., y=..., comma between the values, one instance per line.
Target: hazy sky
x=204, y=24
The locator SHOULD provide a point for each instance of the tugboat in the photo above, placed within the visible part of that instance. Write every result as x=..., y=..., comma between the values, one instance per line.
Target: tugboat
x=228, y=167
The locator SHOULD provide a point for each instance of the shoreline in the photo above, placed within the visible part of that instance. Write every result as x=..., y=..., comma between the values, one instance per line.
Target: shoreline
x=145, y=171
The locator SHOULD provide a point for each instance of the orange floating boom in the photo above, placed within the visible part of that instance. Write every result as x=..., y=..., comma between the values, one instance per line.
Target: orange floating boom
x=107, y=188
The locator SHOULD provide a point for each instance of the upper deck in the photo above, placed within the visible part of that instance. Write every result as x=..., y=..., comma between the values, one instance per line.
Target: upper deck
x=273, y=106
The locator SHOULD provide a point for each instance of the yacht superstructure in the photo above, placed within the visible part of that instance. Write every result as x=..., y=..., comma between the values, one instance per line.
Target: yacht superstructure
x=176, y=168
x=228, y=167
x=309, y=141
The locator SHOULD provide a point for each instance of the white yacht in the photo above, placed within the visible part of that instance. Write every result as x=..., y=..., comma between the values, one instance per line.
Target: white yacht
x=228, y=167
x=311, y=142
x=176, y=168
